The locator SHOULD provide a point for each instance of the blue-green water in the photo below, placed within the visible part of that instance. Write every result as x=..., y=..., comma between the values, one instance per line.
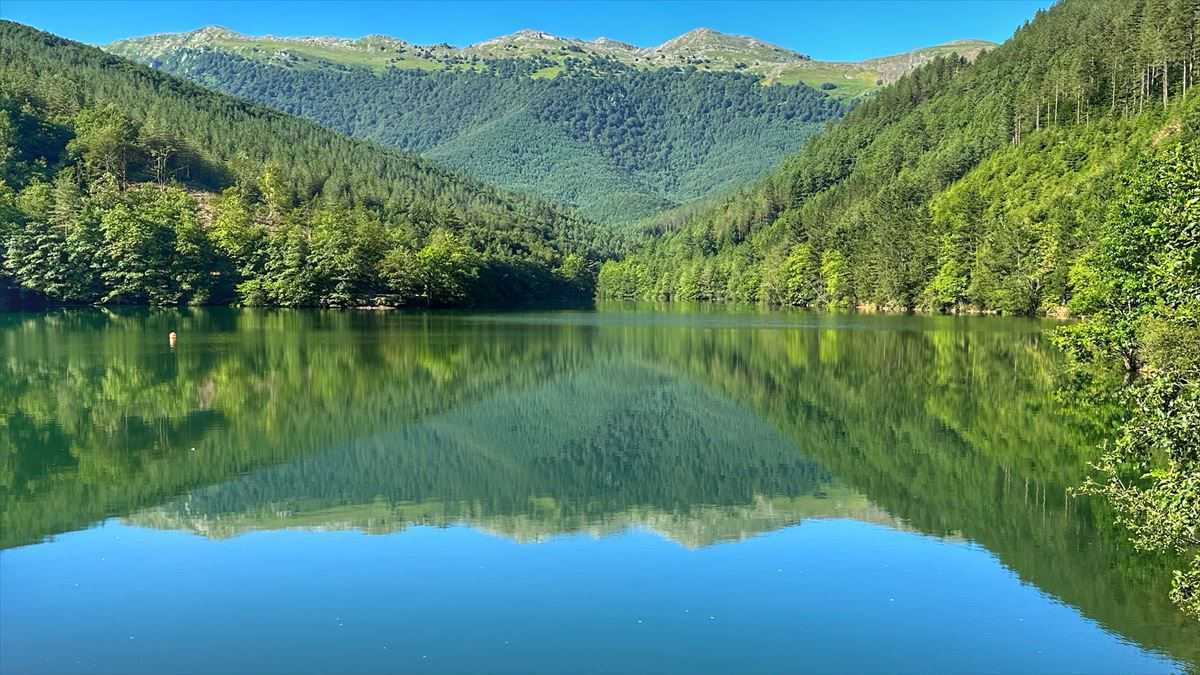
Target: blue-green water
x=627, y=490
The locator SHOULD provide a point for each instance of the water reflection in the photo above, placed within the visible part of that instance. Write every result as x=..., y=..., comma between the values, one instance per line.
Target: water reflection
x=613, y=446
x=704, y=427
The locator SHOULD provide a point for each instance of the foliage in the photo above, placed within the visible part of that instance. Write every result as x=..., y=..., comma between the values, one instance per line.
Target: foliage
x=123, y=185
x=618, y=142
x=963, y=186
x=1141, y=290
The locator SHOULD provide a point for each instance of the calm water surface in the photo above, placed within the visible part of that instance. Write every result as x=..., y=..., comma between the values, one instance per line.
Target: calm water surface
x=625, y=490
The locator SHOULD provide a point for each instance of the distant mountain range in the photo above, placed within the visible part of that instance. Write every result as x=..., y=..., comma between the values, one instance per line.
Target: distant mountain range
x=705, y=49
x=619, y=132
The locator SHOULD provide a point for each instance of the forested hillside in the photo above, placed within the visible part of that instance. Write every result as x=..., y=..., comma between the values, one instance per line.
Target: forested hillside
x=616, y=142
x=125, y=185
x=962, y=186
x=619, y=132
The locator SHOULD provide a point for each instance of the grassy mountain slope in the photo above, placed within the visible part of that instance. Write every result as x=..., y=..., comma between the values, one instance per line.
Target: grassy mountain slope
x=657, y=127
x=962, y=185
x=702, y=48
x=85, y=134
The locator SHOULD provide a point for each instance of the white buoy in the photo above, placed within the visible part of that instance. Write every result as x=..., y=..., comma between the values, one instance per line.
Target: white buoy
x=171, y=337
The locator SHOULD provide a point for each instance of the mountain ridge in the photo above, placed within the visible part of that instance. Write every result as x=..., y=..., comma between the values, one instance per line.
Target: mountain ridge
x=701, y=47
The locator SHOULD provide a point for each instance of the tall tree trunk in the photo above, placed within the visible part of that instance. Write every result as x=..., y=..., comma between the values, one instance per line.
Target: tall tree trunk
x=1142, y=93
x=1165, y=79
x=1113, y=110
x=1056, y=100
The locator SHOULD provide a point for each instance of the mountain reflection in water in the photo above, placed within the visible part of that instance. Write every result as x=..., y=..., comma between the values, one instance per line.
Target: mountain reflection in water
x=702, y=426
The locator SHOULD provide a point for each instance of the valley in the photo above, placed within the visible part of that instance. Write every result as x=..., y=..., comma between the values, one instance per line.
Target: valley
x=620, y=133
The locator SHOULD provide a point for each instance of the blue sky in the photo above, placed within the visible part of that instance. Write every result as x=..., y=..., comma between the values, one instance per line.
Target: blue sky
x=824, y=29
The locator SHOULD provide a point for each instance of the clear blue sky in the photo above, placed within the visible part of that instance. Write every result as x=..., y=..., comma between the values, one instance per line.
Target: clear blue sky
x=824, y=29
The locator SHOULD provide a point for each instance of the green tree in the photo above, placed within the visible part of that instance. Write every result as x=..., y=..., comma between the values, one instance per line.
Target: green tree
x=290, y=278
x=446, y=269
x=75, y=214
x=235, y=233
x=161, y=146
x=347, y=249
x=105, y=138
x=402, y=273
x=137, y=252
x=193, y=264
x=836, y=274
x=1141, y=290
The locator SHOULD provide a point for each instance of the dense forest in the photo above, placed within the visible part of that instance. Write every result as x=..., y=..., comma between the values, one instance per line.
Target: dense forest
x=1139, y=288
x=962, y=186
x=125, y=185
x=617, y=142
x=1058, y=173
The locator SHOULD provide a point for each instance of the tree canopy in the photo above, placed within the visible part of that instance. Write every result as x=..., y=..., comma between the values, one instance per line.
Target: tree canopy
x=620, y=143
x=962, y=186
x=125, y=185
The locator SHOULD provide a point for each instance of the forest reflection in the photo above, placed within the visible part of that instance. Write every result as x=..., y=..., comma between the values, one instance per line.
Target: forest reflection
x=704, y=426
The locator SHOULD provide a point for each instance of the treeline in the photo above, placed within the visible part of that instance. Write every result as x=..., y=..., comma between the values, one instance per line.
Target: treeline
x=123, y=185
x=963, y=186
x=659, y=137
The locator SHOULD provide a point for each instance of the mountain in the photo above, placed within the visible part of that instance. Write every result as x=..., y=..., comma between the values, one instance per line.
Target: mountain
x=619, y=132
x=702, y=48
x=122, y=184
x=965, y=185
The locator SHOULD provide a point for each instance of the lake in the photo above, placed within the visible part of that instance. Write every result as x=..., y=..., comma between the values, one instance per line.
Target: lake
x=632, y=489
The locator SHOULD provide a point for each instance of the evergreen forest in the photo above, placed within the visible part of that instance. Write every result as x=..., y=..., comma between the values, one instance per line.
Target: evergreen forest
x=620, y=144
x=122, y=185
